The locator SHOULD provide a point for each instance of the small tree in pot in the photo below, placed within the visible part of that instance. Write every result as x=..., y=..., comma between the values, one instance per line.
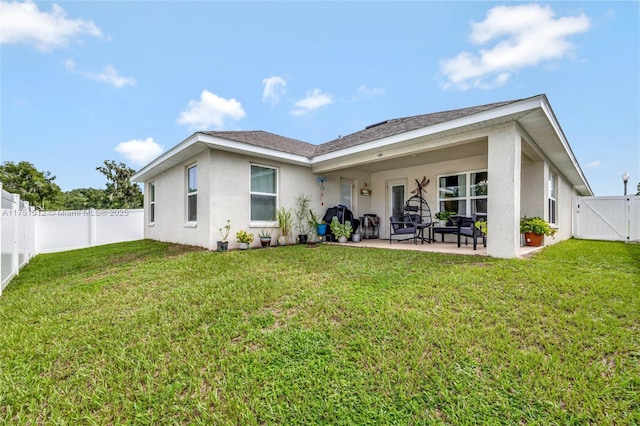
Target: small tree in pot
x=301, y=213
x=223, y=245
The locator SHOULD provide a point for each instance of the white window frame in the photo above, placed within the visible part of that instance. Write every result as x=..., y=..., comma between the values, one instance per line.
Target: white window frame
x=152, y=203
x=344, y=182
x=467, y=198
x=553, y=198
x=276, y=195
x=189, y=194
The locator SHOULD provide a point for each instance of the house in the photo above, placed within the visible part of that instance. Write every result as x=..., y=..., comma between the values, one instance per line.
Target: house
x=516, y=150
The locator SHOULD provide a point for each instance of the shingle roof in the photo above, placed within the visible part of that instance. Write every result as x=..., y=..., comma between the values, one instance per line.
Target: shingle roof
x=374, y=132
x=398, y=126
x=268, y=140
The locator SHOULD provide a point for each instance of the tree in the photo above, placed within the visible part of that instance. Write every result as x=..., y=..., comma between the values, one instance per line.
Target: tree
x=32, y=185
x=85, y=198
x=120, y=192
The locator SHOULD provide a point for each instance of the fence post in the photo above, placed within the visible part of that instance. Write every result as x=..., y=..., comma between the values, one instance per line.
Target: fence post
x=92, y=227
x=15, y=260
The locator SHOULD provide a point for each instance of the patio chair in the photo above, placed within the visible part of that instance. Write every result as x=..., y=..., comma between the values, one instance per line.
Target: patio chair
x=406, y=226
x=467, y=228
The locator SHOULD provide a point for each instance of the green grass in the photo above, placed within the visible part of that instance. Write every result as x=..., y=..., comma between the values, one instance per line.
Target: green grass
x=152, y=333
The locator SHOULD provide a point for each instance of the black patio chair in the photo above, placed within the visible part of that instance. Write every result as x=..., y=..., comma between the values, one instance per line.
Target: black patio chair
x=406, y=226
x=467, y=228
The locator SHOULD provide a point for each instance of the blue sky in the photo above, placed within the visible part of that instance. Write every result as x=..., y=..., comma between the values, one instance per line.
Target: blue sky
x=83, y=82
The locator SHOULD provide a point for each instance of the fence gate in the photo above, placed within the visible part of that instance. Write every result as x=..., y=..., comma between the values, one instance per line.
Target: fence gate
x=607, y=218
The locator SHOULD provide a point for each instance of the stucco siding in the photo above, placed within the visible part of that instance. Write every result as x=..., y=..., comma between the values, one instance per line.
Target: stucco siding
x=564, y=201
x=231, y=187
x=170, y=205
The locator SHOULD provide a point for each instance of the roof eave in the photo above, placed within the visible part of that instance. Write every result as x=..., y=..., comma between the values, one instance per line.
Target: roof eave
x=200, y=141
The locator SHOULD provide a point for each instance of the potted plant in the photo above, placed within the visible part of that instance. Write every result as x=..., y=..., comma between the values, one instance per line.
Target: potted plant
x=223, y=244
x=534, y=230
x=481, y=225
x=444, y=216
x=244, y=239
x=316, y=223
x=301, y=213
x=285, y=222
x=341, y=230
x=265, y=238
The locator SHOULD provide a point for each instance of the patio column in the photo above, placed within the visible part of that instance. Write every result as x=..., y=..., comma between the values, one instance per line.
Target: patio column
x=503, y=209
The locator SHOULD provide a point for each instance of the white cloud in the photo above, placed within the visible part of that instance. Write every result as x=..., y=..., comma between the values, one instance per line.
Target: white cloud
x=367, y=92
x=523, y=36
x=274, y=88
x=314, y=100
x=108, y=75
x=595, y=163
x=23, y=22
x=138, y=151
x=211, y=110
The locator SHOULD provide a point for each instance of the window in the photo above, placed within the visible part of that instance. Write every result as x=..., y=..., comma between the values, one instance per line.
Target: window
x=463, y=193
x=397, y=200
x=553, y=190
x=346, y=193
x=192, y=194
x=264, y=193
x=152, y=202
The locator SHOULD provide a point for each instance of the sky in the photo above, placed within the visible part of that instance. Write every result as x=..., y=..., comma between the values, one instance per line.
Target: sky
x=87, y=81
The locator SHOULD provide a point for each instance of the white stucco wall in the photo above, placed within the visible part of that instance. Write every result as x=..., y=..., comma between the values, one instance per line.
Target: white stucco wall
x=224, y=182
x=231, y=185
x=503, y=210
x=564, y=206
x=532, y=193
x=171, y=213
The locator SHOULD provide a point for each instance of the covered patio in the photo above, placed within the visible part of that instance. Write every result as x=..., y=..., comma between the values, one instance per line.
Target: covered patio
x=435, y=247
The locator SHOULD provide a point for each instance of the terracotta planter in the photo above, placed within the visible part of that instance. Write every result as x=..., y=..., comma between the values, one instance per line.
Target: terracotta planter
x=532, y=239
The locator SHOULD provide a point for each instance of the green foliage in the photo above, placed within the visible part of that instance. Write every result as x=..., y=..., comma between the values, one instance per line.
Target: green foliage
x=243, y=236
x=285, y=221
x=314, y=219
x=224, y=231
x=444, y=215
x=32, y=185
x=339, y=229
x=537, y=226
x=264, y=234
x=121, y=193
x=153, y=333
x=481, y=225
x=301, y=213
x=85, y=198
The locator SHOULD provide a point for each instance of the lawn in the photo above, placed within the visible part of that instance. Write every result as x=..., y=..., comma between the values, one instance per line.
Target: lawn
x=153, y=333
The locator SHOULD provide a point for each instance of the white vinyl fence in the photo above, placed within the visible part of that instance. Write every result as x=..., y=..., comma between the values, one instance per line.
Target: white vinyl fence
x=16, y=236
x=73, y=229
x=25, y=232
x=607, y=218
